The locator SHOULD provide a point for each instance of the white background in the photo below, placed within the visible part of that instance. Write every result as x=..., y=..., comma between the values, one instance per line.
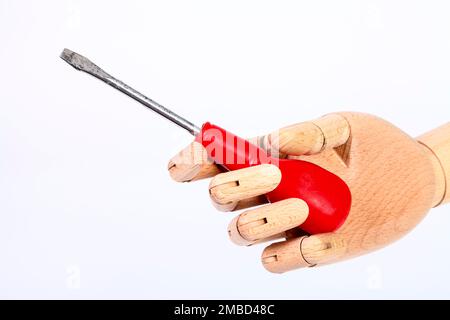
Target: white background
x=87, y=209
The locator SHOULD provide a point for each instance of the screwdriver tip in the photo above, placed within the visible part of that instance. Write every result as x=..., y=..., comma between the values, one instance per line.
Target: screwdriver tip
x=82, y=63
x=71, y=58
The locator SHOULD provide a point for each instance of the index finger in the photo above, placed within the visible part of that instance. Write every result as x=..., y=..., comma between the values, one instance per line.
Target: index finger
x=192, y=163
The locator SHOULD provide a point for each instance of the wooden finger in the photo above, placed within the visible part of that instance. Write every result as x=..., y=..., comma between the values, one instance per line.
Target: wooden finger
x=302, y=252
x=266, y=221
x=192, y=163
x=236, y=237
x=228, y=188
x=323, y=248
x=310, y=137
x=283, y=256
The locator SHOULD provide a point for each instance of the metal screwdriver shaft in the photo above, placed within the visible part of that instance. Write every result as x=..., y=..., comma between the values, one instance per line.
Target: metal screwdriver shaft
x=83, y=64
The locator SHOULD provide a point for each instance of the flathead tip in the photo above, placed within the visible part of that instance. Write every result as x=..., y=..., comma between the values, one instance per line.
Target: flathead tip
x=82, y=63
x=67, y=55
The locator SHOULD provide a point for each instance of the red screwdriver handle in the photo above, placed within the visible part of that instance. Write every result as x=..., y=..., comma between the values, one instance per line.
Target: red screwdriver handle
x=328, y=196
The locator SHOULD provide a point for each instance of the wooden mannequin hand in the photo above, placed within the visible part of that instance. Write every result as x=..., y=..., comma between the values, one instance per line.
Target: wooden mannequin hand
x=394, y=180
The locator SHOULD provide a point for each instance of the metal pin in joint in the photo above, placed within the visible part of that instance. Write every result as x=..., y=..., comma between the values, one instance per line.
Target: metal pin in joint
x=84, y=64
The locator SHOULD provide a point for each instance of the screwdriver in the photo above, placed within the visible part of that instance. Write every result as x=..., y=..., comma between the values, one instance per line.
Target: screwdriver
x=328, y=196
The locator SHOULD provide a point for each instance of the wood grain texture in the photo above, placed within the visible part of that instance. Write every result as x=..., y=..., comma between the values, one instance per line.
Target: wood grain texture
x=438, y=142
x=280, y=257
x=335, y=130
x=269, y=220
x=229, y=188
x=310, y=137
x=392, y=181
x=192, y=164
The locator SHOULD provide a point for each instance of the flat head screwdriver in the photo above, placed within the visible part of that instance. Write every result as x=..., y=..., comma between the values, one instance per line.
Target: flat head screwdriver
x=84, y=64
x=328, y=196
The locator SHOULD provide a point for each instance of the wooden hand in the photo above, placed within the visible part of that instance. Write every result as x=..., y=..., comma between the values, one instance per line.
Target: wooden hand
x=394, y=180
